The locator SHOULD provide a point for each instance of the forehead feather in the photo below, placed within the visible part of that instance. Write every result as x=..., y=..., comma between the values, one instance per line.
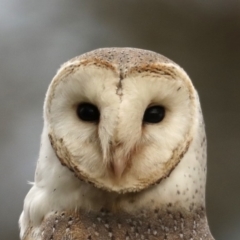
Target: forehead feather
x=122, y=60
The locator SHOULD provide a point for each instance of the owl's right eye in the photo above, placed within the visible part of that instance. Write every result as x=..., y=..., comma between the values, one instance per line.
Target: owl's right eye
x=88, y=112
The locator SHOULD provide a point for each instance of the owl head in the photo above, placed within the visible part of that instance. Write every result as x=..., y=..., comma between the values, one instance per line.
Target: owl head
x=123, y=119
x=121, y=126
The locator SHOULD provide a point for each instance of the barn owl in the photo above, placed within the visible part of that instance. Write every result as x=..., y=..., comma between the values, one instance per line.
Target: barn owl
x=123, y=152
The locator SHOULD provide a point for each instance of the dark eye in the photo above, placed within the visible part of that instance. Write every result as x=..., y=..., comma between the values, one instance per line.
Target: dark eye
x=88, y=112
x=154, y=114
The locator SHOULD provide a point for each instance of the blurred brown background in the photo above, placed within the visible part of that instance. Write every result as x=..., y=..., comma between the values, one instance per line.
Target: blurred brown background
x=202, y=36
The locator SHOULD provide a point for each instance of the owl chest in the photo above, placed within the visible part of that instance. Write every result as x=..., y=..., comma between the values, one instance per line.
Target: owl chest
x=106, y=225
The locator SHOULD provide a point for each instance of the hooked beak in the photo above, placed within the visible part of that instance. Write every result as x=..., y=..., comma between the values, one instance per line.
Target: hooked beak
x=118, y=167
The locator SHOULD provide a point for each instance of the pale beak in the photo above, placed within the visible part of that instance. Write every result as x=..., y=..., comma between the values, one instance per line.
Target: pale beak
x=118, y=167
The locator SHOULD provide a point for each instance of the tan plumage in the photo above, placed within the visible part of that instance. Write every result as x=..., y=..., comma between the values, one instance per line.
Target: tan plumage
x=120, y=177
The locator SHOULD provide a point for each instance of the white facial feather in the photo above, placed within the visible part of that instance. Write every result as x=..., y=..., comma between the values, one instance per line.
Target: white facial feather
x=156, y=164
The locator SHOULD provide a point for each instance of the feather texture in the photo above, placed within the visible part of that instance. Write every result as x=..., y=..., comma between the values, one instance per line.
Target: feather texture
x=120, y=177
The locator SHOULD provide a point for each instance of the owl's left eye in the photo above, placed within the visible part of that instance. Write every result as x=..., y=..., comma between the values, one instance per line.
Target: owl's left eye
x=88, y=112
x=154, y=114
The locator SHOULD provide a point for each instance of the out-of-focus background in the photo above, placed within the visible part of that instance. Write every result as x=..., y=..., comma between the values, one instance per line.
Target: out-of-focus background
x=202, y=36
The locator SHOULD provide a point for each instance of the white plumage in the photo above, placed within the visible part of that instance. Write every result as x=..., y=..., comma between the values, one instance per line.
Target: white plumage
x=140, y=155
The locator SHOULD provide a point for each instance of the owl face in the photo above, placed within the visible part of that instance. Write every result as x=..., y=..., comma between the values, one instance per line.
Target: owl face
x=121, y=125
